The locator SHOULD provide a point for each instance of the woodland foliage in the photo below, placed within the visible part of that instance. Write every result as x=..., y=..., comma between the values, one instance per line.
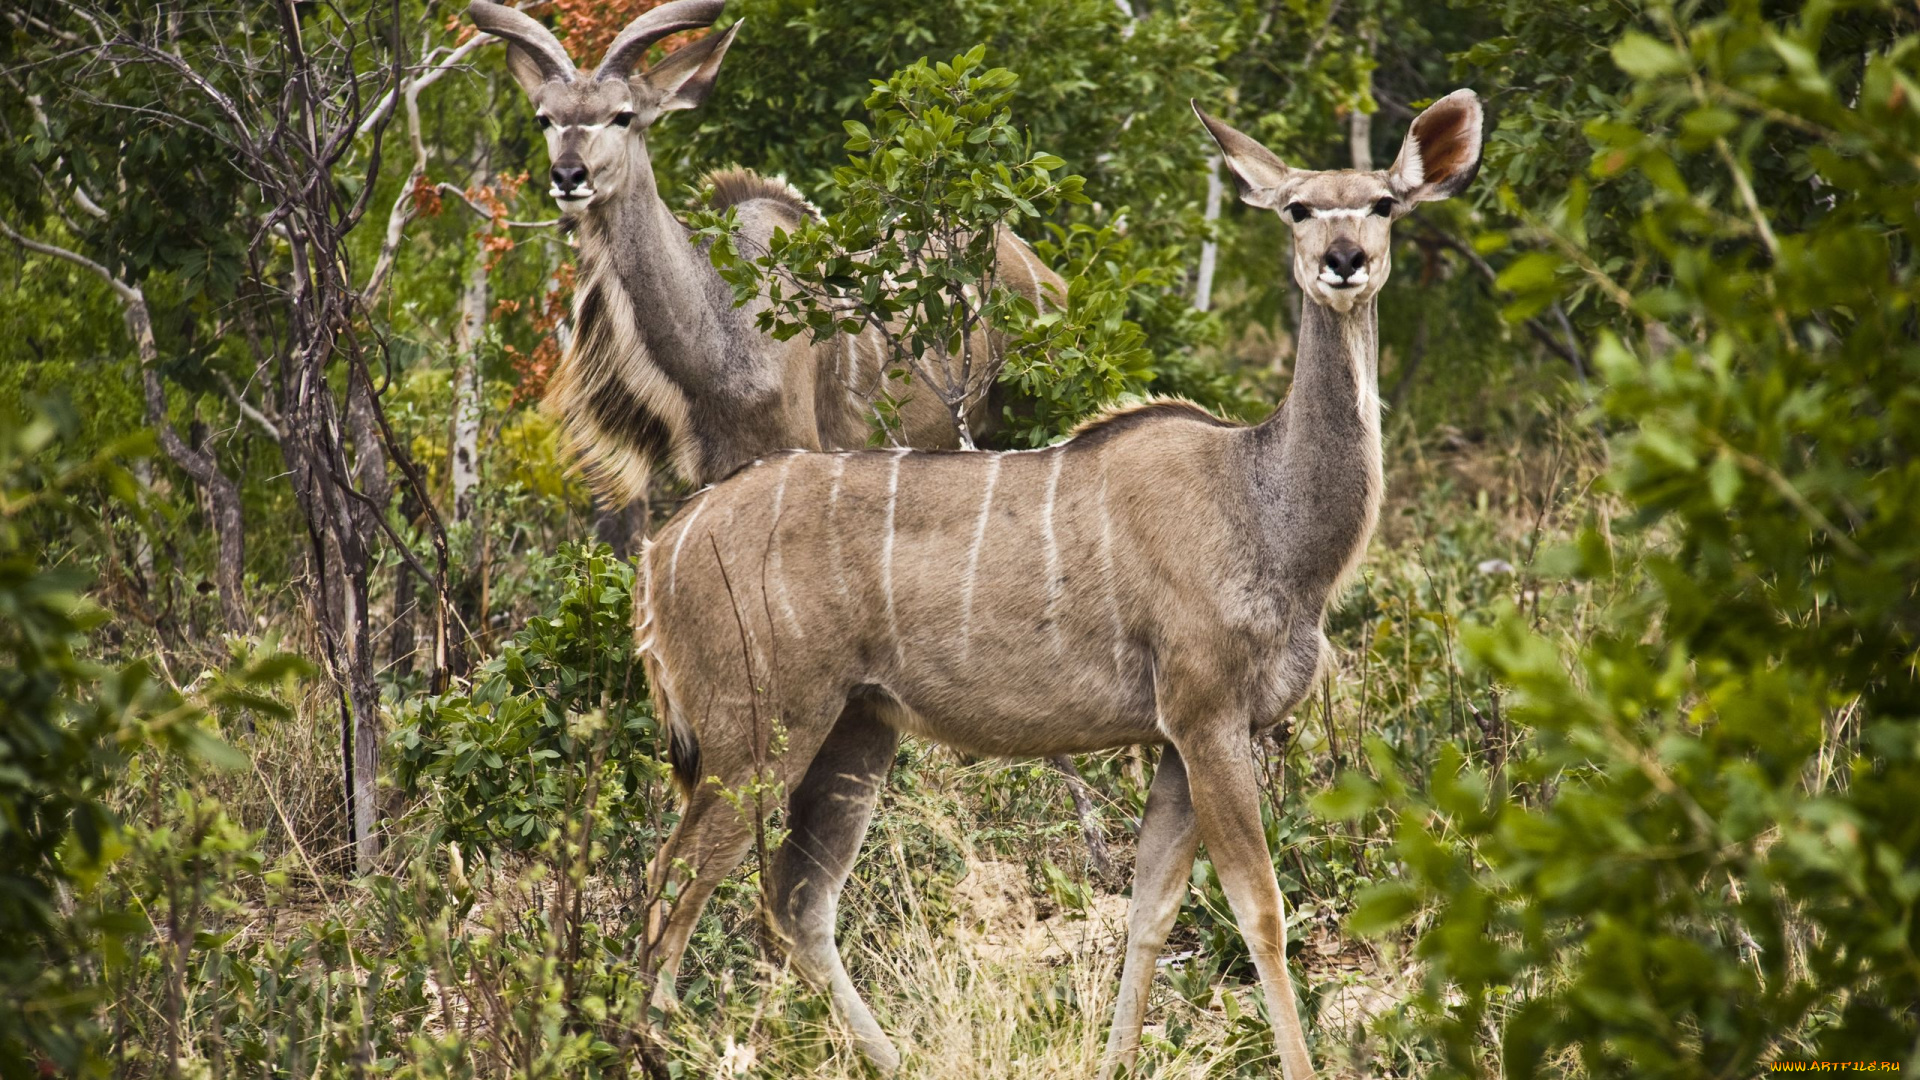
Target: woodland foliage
x=1615, y=773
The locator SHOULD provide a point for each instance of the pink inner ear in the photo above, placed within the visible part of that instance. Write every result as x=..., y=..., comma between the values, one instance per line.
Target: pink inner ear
x=1445, y=137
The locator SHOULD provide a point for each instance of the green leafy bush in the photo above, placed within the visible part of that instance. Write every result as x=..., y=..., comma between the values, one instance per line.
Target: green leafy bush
x=69, y=727
x=1708, y=859
x=505, y=760
x=932, y=179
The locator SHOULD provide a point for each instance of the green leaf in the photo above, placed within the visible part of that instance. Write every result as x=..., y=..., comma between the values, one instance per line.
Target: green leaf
x=1723, y=480
x=1382, y=908
x=1645, y=58
x=1530, y=272
x=211, y=749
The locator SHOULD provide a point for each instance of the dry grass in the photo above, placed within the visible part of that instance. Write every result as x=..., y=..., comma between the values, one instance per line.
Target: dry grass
x=970, y=961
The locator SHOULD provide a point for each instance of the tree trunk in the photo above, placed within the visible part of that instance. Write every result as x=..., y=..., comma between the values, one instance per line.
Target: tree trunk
x=402, y=641
x=1209, y=248
x=222, y=494
x=143, y=543
x=1360, y=123
x=466, y=388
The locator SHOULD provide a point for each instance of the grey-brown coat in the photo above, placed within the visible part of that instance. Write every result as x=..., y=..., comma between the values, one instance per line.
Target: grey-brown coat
x=1160, y=578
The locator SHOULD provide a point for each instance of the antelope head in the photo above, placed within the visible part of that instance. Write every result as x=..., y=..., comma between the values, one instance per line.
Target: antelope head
x=596, y=124
x=1342, y=219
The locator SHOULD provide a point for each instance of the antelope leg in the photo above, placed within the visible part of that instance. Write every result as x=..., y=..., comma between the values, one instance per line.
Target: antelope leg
x=827, y=819
x=716, y=830
x=1227, y=806
x=712, y=838
x=1160, y=871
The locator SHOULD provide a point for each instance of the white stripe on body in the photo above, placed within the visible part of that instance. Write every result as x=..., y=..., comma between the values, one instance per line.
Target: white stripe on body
x=673, y=564
x=973, y=559
x=774, y=563
x=643, y=640
x=1020, y=249
x=886, y=555
x=833, y=526
x=1052, y=546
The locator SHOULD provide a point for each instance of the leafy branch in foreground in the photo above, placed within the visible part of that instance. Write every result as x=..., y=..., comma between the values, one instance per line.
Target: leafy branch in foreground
x=69, y=728
x=932, y=183
x=1707, y=859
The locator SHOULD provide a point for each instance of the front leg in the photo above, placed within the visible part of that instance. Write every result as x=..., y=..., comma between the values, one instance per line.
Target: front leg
x=1217, y=746
x=1160, y=871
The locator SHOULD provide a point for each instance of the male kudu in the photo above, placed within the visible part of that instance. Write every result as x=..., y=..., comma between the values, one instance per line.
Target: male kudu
x=663, y=367
x=1160, y=578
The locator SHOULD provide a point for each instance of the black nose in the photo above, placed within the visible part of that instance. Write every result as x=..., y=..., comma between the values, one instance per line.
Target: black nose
x=1345, y=259
x=569, y=177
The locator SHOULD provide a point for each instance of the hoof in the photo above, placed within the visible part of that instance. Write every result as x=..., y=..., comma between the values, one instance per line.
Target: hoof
x=881, y=1055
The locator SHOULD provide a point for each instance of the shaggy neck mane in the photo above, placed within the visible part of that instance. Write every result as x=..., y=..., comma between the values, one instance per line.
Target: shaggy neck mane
x=613, y=399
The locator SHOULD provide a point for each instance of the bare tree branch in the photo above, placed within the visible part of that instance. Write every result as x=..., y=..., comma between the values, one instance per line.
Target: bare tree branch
x=204, y=469
x=425, y=79
x=247, y=410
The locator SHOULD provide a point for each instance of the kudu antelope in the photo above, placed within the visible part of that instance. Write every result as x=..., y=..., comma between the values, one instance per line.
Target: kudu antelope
x=1159, y=578
x=663, y=367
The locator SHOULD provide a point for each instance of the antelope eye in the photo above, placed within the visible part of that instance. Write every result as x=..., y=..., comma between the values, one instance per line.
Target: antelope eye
x=544, y=120
x=1297, y=211
x=622, y=119
x=1384, y=208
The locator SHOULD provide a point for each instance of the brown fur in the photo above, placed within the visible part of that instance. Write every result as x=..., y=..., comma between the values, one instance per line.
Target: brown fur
x=1115, y=420
x=735, y=185
x=1160, y=578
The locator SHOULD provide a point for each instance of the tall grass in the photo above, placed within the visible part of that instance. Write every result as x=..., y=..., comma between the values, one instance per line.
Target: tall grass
x=973, y=923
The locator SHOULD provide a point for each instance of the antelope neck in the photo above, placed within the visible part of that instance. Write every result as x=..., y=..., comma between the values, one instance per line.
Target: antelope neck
x=1336, y=376
x=689, y=329
x=1316, y=461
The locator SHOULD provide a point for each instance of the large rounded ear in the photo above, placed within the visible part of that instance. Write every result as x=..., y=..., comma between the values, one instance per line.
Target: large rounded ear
x=1442, y=151
x=534, y=55
x=624, y=55
x=1263, y=179
x=684, y=79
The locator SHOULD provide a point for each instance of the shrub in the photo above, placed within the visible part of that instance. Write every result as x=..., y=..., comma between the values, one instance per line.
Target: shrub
x=1719, y=864
x=505, y=760
x=68, y=730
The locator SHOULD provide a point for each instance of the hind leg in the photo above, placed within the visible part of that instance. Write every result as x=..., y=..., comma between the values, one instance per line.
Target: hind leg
x=827, y=819
x=716, y=830
x=710, y=840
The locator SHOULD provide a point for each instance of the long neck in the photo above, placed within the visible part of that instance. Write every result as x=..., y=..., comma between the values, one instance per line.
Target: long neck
x=687, y=343
x=1317, y=479
x=636, y=240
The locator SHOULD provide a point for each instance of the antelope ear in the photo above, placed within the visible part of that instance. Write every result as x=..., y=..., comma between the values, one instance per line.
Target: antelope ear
x=1263, y=179
x=1442, y=151
x=524, y=65
x=684, y=79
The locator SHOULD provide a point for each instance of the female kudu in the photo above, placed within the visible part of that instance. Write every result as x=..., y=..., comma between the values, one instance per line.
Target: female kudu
x=1160, y=578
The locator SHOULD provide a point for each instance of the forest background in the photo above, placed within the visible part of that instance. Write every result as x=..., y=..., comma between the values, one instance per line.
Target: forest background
x=322, y=750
